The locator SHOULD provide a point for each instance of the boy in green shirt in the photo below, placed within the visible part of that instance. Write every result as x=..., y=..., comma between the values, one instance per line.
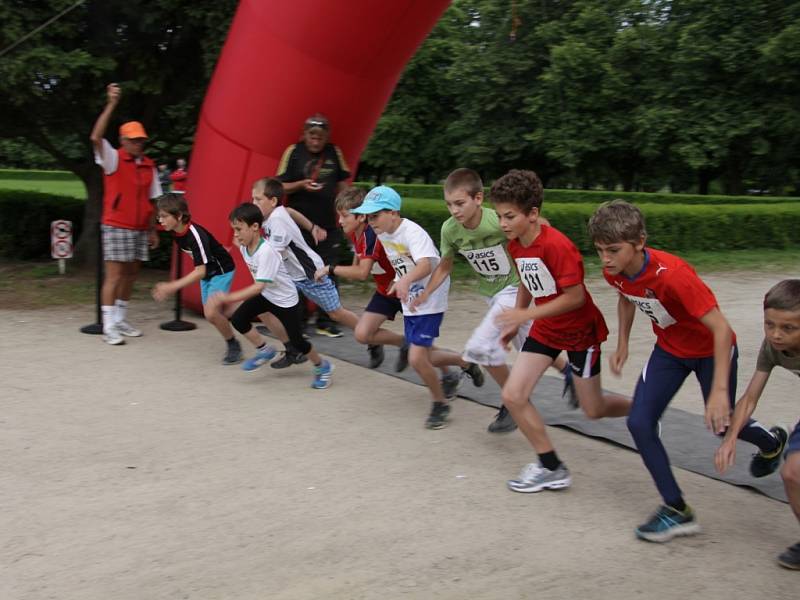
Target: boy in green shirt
x=475, y=234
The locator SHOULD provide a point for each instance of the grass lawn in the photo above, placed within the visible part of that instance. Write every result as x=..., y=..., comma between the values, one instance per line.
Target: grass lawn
x=72, y=188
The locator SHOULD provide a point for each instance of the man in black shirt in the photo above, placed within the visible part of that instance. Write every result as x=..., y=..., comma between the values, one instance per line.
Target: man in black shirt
x=313, y=172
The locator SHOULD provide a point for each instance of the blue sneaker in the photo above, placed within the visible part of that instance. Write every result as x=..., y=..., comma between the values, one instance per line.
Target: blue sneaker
x=262, y=357
x=322, y=376
x=667, y=523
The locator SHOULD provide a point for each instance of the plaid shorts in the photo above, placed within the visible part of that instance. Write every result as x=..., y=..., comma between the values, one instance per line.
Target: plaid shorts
x=323, y=293
x=124, y=245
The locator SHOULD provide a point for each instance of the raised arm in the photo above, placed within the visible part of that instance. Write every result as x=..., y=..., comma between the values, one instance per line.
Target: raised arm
x=113, y=95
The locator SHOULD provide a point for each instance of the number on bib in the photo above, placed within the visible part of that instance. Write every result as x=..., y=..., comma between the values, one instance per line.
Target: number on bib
x=488, y=262
x=536, y=277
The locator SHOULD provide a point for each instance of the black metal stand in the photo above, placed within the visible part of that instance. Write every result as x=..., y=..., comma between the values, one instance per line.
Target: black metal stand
x=96, y=328
x=177, y=324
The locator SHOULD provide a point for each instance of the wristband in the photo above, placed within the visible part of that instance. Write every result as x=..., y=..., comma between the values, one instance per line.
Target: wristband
x=331, y=269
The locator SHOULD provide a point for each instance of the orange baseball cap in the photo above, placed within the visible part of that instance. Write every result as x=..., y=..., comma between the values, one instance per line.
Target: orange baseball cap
x=132, y=129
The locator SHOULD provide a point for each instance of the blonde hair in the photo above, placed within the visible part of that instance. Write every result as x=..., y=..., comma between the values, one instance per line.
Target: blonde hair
x=617, y=221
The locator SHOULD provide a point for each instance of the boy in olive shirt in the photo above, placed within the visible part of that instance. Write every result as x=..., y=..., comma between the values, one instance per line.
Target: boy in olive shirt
x=780, y=348
x=475, y=234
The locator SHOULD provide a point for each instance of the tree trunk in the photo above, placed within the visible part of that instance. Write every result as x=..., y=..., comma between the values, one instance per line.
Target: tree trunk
x=703, y=181
x=86, y=246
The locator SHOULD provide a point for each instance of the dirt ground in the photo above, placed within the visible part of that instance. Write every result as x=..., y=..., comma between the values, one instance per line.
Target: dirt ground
x=150, y=471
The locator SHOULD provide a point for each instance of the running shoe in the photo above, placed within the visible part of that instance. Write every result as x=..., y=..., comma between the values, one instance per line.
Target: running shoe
x=375, y=356
x=438, y=417
x=667, y=523
x=766, y=463
x=535, y=478
x=503, y=422
x=262, y=357
x=322, y=376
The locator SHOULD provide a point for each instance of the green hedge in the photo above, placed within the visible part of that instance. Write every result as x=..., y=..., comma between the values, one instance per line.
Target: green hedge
x=25, y=219
x=676, y=228
x=434, y=192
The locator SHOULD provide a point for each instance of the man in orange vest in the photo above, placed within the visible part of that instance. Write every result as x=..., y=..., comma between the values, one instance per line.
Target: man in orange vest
x=128, y=222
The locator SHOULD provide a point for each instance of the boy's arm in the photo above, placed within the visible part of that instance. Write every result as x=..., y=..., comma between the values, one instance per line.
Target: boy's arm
x=726, y=453
x=718, y=413
x=421, y=270
x=626, y=311
x=216, y=301
x=165, y=288
x=318, y=233
x=572, y=297
x=360, y=270
x=113, y=94
x=440, y=273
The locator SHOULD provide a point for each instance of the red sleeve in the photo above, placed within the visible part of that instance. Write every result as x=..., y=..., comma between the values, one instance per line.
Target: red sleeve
x=686, y=288
x=564, y=262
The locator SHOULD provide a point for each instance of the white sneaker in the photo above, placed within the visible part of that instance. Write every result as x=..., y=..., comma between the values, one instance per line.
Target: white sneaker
x=112, y=336
x=127, y=329
x=535, y=478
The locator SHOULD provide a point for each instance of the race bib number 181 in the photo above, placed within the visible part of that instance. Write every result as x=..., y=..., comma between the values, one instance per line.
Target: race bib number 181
x=536, y=277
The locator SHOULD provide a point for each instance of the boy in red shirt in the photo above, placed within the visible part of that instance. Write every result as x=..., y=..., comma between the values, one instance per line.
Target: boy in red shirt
x=692, y=335
x=564, y=318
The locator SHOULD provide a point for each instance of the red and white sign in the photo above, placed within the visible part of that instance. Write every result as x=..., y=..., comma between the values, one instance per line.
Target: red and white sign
x=61, y=239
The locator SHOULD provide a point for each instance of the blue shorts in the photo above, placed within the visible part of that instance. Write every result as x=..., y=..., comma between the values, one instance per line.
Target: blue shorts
x=422, y=330
x=217, y=284
x=323, y=293
x=388, y=306
x=793, y=445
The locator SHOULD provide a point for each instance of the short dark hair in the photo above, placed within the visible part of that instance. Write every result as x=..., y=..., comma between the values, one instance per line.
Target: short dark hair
x=521, y=188
x=464, y=178
x=784, y=295
x=248, y=213
x=271, y=187
x=175, y=205
x=350, y=197
x=617, y=221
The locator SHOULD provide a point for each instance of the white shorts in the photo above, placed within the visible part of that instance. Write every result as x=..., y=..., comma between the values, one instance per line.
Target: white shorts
x=484, y=346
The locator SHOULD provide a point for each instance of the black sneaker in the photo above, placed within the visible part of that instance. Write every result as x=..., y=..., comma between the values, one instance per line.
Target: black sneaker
x=503, y=422
x=765, y=463
x=438, y=417
x=288, y=359
x=329, y=330
x=569, y=389
x=375, y=356
x=233, y=355
x=402, y=359
x=475, y=373
x=790, y=558
x=450, y=383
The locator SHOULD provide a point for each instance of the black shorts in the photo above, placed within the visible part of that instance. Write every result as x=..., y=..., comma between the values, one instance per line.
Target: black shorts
x=289, y=317
x=388, y=306
x=583, y=363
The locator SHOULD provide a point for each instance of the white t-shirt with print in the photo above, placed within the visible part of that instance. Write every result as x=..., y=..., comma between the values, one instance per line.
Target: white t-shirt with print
x=109, y=160
x=266, y=266
x=405, y=247
x=284, y=235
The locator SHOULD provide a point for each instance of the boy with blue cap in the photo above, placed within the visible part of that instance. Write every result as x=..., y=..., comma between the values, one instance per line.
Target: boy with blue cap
x=414, y=257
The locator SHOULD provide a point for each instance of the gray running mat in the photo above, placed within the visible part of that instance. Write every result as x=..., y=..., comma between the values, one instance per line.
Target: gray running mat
x=689, y=444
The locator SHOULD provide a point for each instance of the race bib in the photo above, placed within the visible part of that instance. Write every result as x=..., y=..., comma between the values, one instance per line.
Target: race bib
x=402, y=265
x=488, y=262
x=536, y=277
x=653, y=309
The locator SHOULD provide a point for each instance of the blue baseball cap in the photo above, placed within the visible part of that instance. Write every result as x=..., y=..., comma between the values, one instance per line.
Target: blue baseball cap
x=378, y=198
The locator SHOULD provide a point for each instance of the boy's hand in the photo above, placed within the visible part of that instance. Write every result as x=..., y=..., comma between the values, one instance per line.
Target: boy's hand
x=161, y=291
x=417, y=300
x=726, y=454
x=320, y=273
x=617, y=360
x=718, y=412
x=507, y=335
x=153, y=239
x=113, y=93
x=215, y=302
x=512, y=318
x=318, y=233
x=401, y=287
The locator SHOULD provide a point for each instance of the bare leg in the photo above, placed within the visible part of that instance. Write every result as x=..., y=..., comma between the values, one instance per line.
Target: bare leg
x=112, y=282
x=524, y=376
x=790, y=473
x=368, y=331
x=344, y=317
x=595, y=403
x=420, y=360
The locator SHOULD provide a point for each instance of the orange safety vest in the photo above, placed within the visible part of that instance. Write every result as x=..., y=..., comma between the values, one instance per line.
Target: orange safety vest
x=126, y=200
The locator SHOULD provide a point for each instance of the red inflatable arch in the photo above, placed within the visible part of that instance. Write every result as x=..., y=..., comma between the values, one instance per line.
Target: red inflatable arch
x=282, y=62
